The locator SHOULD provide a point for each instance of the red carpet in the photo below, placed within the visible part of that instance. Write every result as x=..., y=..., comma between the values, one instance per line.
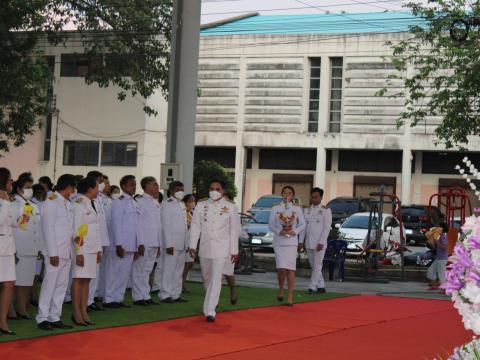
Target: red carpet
x=359, y=327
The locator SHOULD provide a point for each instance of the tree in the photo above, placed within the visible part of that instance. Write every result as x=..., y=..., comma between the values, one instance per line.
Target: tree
x=441, y=75
x=126, y=41
x=206, y=171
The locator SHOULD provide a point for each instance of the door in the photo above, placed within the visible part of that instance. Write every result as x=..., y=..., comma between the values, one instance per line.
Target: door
x=364, y=185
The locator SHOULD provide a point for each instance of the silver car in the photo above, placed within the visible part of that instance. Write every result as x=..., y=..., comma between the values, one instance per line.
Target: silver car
x=256, y=227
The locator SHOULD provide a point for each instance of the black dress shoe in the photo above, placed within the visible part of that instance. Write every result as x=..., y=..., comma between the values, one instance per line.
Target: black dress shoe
x=13, y=317
x=167, y=301
x=98, y=299
x=34, y=303
x=6, y=332
x=60, y=325
x=140, y=302
x=311, y=292
x=150, y=302
x=210, y=319
x=321, y=291
x=289, y=304
x=95, y=307
x=24, y=317
x=123, y=305
x=279, y=298
x=180, y=300
x=234, y=301
x=68, y=302
x=45, y=325
x=89, y=323
x=111, y=305
x=78, y=323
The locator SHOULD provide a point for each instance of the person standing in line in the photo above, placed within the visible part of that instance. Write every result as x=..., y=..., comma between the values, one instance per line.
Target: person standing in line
x=86, y=247
x=286, y=222
x=216, y=224
x=7, y=249
x=99, y=202
x=150, y=235
x=318, y=220
x=28, y=239
x=47, y=184
x=124, y=244
x=57, y=226
x=190, y=202
x=175, y=232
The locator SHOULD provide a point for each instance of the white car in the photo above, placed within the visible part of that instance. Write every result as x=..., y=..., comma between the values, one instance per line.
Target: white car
x=355, y=229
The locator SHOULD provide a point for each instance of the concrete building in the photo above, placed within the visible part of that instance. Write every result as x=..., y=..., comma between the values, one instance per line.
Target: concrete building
x=283, y=100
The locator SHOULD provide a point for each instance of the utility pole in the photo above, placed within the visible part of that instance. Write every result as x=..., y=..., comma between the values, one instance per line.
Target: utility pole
x=182, y=96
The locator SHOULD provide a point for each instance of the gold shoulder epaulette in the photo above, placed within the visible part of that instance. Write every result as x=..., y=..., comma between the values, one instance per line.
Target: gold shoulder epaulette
x=52, y=197
x=79, y=200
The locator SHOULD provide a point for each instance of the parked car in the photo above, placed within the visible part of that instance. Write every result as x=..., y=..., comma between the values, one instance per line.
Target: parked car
x=343, y=207
x=257, y=228
x=355, y=229
x=417, y=222
x=265, y=202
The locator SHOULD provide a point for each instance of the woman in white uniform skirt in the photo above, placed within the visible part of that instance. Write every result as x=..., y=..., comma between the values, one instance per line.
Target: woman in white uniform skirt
x=28, y=239
x=87, y=249
x=7, y=250
x=286, y=222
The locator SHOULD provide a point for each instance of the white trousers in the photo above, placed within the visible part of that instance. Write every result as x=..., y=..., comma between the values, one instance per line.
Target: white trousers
x=142, y=268
x=315, y=258
x=118, y=273
x=52, y=293
x=157, y=275
x=68, y=293
x=172, y=274
x=92, y=288
x=212, y=271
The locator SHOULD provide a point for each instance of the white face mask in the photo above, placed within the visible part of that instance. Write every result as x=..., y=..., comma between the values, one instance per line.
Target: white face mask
x=115, y=196
x=214, y=195
x=27, y=194
x=101, y=187
x=73, y=195
x=179, y=195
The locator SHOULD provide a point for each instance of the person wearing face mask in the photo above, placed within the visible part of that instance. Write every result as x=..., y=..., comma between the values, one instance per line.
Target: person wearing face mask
x=149, y=234
x=86, y=246
x=216, y=225
x=175, y=232
x=286, y=222
x=115, y=192
x=57, y=226
x=7, y=249
x=28, y=239
x=125, y=245
x=190, y=202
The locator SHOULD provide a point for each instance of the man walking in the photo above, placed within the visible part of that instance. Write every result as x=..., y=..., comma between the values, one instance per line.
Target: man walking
x=216, y=224
x=314, y=239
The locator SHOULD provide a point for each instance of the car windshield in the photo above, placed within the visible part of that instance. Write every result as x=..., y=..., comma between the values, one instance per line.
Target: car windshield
x=343, y=206
x=262, y=217
x=267, y=201
x=413, y=211
x=357, y=222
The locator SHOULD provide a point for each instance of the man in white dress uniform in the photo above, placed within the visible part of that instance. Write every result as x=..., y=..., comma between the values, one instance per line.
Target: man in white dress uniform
x=175, y=233
x=216, y=224
x=150, y=235
x=57, y=226
x=319, y=222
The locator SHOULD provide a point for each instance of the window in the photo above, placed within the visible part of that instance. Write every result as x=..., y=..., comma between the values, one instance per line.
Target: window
x=445, y=162
x=80, y=153
x=79, y=65
x=314, y=102
x=51, y=107
x=336, y=87
x=119, y=153
x=288, y=159
x=370, y=161
x=225, y=156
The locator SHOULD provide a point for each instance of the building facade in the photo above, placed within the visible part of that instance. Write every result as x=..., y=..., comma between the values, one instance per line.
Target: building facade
x=282, y=100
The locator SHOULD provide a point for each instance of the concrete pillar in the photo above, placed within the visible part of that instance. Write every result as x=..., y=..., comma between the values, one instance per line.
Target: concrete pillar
x=324, y=106
x=417, y=177
x=182, y=99
x=320, y=172
x=406, y=176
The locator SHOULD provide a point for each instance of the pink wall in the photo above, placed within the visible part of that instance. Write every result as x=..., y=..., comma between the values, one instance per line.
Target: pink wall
x=327, y=196
x=264, y=187
x=344, y=188
x=24, y=158
x=426, y=191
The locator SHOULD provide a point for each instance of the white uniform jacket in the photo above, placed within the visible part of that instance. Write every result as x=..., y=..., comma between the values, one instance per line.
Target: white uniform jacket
x=124, y=223
x=7, y=222
x=217, y=225
x=174, y=221
x=318, y=224
x=86, y=218
x=149, y=226
x=27, y=235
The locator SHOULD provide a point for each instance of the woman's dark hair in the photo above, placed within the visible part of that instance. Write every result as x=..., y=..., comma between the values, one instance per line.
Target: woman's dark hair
x=86, y=184
x=288, y=187
x=38, y=191
x=21, y=181
x=65, y=181
x=46, y=181
x=444, y=227
x=4, y=178
x=187, y=198
x=160, y=197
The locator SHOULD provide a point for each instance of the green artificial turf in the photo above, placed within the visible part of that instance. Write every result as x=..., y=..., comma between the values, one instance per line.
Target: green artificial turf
x=247, y=298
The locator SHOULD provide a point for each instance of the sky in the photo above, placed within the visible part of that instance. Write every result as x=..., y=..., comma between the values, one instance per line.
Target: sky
x=213, y=10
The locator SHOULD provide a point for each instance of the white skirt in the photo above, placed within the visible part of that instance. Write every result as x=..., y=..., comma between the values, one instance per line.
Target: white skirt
x=89, y=269
x=25, y=270
x=7, y=268
x=286, y=257
x=228, y=268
